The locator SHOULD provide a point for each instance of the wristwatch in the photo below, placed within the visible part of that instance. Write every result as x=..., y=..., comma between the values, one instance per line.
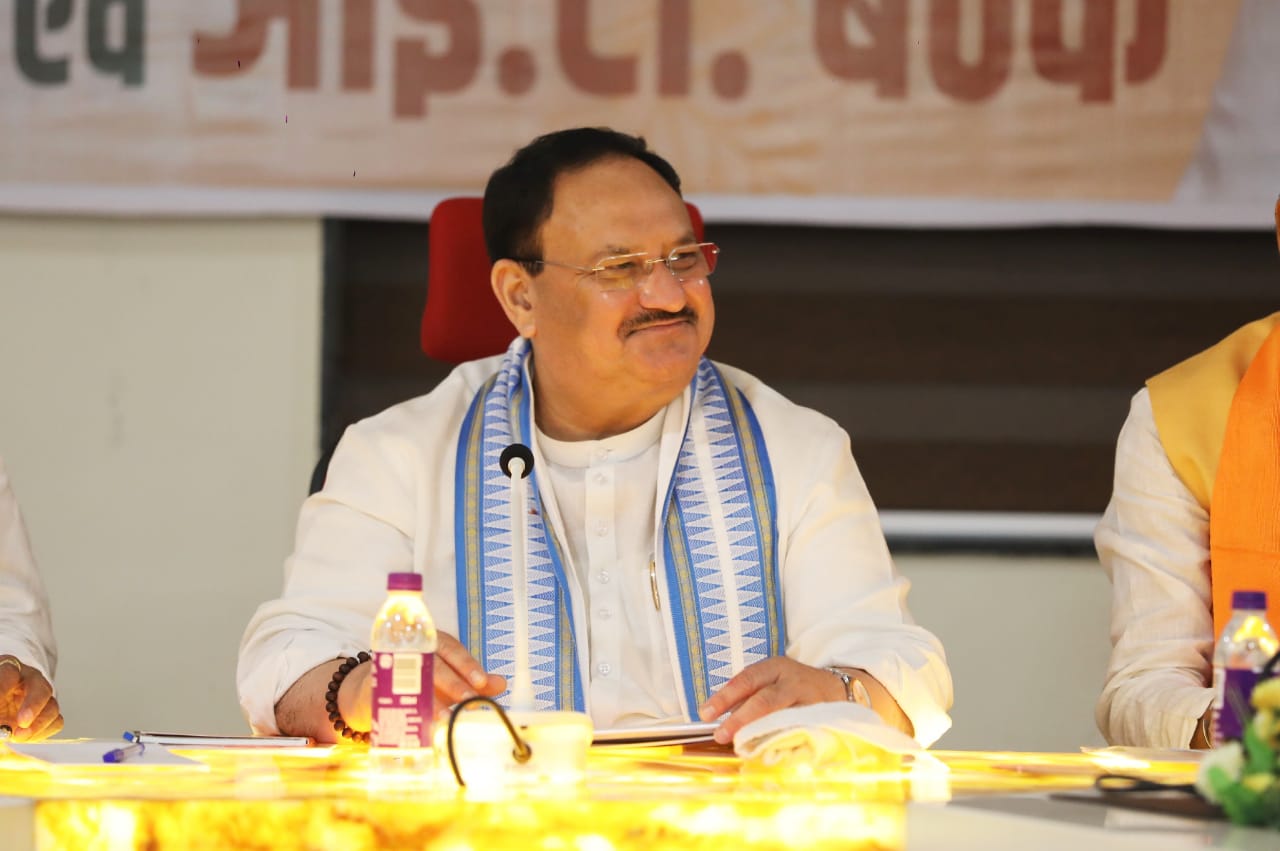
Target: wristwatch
x=854, y=690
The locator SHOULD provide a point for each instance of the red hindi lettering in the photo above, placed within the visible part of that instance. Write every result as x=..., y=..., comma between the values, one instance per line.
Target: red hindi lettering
x=1145, y=54
x=981, y=79
x=357, y=44
x=674, y=38
x=220, y=56
x=419, y=73
x=1090, y=65
x=882, y=60
x=590, y=72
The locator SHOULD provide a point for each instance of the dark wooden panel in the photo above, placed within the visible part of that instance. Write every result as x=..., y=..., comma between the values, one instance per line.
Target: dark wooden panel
x=833, y=337
x=1059, y=261
x=983, y=339
x=987, y=477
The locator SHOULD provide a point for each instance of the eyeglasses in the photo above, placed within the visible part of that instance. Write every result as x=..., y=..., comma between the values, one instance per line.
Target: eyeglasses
x=627, y=271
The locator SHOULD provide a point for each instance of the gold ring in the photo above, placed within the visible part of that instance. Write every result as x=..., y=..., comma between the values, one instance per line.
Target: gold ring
x=9, y=660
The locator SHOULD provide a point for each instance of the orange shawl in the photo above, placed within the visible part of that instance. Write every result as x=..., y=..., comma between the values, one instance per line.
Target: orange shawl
x=1211, y=412
x=1217, y=415
x=1244, y=515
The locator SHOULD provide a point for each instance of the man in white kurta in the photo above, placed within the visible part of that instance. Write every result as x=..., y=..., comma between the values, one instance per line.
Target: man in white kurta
x=609, y=375
x=28, y=709
x=387, y=505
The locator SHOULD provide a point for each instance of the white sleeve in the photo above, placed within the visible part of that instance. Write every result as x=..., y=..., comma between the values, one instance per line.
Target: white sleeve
x=844, y=602
x=386, y=506
x=350, y=535
x=26, y=630
x=1153, y=542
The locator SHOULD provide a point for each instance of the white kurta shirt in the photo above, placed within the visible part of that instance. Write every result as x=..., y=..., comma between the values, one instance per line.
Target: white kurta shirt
x=604, y=493
x=1153, y=542
x=388, y=505
x=25, y=627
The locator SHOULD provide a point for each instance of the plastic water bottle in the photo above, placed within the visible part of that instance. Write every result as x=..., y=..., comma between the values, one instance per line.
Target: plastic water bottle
x=1247, y=644
x=404, y=648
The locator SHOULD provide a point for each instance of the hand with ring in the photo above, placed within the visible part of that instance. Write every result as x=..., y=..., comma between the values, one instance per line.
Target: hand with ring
x=28, y=709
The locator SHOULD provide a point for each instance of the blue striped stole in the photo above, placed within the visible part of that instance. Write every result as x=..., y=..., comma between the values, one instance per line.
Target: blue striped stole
x=718, y=546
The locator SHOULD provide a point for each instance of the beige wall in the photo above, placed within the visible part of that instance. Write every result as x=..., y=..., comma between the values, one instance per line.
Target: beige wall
x=1027, y=642
x=159, y=386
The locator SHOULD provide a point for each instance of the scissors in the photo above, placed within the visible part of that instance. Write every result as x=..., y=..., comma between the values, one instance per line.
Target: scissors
x=1111, y=784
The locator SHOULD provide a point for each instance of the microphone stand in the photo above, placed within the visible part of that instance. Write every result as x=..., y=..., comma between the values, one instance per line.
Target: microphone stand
x=557, y=739
x=517, y=463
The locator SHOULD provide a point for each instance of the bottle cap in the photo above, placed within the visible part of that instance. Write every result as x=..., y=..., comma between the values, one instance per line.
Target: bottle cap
x=404, y=581
x=1249, y=599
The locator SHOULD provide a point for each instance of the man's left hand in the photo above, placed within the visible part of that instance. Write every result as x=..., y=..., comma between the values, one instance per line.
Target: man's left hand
x=767, y=686
x=27, y=704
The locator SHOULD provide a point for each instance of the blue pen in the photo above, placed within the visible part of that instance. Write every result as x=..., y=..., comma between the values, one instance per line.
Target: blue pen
x=126, y=752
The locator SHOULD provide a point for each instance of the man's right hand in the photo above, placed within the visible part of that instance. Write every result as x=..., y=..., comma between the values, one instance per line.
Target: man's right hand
x=301, y=712
x=457, y=675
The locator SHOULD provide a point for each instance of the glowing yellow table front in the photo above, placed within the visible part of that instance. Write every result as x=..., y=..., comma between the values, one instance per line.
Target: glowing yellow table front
x=650, y=798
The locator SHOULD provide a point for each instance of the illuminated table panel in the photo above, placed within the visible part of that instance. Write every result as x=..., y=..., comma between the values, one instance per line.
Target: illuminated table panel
x=632, y=798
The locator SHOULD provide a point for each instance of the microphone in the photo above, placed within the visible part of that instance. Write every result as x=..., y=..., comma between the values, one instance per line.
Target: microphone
x=516, y=452
x=516, y=462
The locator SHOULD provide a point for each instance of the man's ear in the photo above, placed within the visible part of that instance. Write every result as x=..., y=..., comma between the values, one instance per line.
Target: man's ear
x=512, y=285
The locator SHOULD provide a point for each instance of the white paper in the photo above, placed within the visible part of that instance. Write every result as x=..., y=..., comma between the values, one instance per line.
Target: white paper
x=669, y=734
x=90, y=752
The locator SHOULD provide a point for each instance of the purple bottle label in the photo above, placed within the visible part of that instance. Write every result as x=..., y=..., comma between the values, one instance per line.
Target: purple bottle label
x=403, y=699
x=1237, y=688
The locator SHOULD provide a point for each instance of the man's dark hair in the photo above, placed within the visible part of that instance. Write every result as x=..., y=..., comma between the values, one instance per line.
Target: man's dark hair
x=518, y=197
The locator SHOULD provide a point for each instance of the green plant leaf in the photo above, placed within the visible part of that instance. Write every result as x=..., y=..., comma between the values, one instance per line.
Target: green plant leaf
x=1243, y=806
x=1271, y=805
x=1259, y=758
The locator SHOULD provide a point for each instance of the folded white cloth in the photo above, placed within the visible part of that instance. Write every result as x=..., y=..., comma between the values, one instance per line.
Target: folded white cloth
x=837, y=738
x=820, y=734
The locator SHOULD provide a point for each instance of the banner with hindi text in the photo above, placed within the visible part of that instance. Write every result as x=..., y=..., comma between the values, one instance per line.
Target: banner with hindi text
x=948, y=112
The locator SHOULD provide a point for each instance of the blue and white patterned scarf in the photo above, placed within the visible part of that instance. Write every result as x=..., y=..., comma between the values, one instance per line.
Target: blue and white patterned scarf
x=718, y=545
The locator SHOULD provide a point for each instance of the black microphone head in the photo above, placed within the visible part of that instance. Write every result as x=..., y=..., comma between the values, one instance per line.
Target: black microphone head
x=516, y=450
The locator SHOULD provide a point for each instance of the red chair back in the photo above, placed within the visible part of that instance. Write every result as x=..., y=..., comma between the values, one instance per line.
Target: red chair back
x=462, y=320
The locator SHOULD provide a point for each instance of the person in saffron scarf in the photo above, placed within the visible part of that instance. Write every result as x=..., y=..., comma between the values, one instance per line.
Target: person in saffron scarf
x=700, y=548
x=1191, y=520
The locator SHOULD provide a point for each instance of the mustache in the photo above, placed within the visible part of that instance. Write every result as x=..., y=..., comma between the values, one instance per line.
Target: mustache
x=655, y=317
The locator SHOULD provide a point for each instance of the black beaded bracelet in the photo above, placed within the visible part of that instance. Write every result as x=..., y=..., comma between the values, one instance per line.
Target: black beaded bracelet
x=331, y=699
